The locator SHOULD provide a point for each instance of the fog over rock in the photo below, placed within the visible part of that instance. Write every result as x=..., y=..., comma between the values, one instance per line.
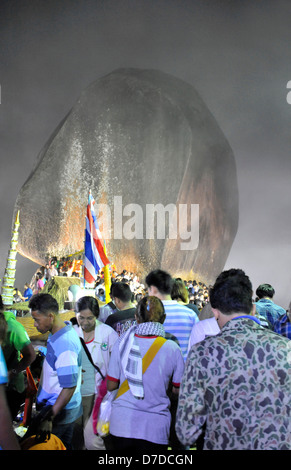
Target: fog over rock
x=138, y=137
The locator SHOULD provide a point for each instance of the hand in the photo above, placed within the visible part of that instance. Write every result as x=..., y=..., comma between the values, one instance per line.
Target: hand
x=45, y=424
x=44, y=430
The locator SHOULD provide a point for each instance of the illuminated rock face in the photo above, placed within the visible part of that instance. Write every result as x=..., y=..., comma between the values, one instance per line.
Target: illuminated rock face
x=138, y=137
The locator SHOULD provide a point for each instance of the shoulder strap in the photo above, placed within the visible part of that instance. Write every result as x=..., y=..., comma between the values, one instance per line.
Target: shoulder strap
x=147, y=359
x=111, y=305
x=90, y=357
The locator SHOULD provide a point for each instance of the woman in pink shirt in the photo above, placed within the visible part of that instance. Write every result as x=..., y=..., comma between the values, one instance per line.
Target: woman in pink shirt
x=39, y=282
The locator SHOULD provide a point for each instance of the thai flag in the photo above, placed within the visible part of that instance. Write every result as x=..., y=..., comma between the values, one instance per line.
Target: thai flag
x=95, y=258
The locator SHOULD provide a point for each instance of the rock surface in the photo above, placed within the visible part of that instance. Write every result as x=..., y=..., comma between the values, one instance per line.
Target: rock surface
x=134, y=137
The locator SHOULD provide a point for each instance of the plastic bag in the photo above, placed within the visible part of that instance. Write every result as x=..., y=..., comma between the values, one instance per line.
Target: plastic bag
x=95, y=413
x=103, y=423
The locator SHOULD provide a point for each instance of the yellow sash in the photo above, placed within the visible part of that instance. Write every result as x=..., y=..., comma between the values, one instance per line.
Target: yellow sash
x=147, y=359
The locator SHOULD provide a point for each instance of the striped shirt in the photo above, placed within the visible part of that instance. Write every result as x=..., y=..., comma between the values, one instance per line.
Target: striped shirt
x=269, y=310
x=179, y=322
x=283, y=326
x=61, y=369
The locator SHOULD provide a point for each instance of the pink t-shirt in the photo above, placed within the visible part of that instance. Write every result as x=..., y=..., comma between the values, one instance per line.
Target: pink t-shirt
x=40, y=285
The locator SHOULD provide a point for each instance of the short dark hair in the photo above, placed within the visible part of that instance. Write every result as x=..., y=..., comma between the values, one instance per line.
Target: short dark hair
x=161, y=280
x=265, y=290
x=88, y=302
x=44, y=303
x=232, y=292
x=150, y=309
x=122, y=291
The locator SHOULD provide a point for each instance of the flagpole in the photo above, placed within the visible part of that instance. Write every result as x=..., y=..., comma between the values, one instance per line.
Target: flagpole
x=85, y=242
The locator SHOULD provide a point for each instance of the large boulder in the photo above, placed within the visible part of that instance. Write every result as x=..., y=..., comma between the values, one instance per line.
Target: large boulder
x=135, y=138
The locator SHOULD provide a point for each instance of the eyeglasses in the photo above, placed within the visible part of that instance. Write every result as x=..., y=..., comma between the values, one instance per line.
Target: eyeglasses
x=86, y=318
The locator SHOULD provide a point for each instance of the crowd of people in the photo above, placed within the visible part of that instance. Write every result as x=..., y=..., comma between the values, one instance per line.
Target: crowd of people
x=205, y=367
x=45, y=274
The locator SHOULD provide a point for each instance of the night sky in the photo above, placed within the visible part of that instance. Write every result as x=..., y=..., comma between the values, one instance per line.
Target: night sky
x=236, y=54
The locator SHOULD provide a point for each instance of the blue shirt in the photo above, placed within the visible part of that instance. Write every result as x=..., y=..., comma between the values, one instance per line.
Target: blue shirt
x=268, y=309
x=27, y=293
x=283, y=326
x=3, y=372
x=62, y=368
